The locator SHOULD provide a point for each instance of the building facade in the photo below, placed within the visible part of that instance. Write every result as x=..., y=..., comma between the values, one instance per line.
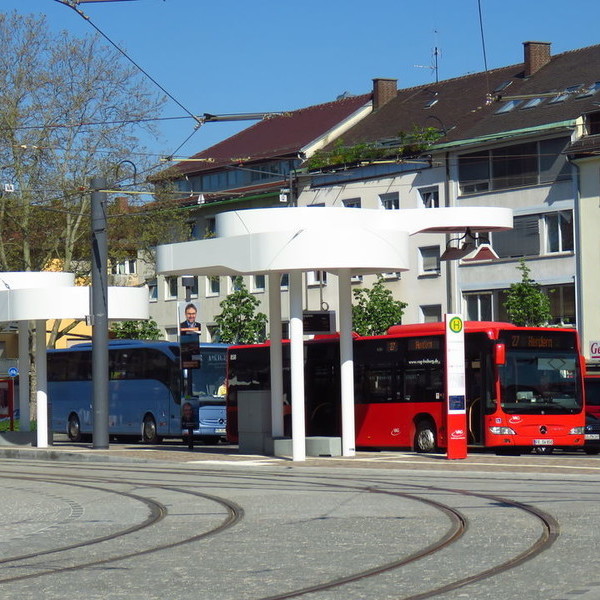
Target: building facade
x=523, y=137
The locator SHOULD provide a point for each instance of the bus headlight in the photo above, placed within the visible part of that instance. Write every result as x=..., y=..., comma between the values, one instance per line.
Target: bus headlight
x=502, y=431
x=577, y=431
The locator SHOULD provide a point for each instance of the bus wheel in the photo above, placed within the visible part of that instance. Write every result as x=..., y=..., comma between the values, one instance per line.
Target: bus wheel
x=74, y=428
x=425, y=440
x=149, y=435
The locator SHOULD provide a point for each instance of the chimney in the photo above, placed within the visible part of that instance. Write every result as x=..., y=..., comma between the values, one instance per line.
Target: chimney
x=384, y=90
x=536, y=55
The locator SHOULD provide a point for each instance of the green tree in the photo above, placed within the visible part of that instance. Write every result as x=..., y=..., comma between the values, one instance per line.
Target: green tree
x=136, y=330
x=239, y=323
x=70, y=109
x=526, y=304
x=375, y=309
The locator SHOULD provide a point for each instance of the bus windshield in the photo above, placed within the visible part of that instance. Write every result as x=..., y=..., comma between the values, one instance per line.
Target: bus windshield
x=540, y=383
x=208, y=380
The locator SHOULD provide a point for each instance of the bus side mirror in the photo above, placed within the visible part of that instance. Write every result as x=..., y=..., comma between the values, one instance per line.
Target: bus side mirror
x=500, y=354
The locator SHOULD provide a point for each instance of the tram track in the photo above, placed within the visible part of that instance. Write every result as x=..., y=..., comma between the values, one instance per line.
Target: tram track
x=457, y=528
x=158, y=512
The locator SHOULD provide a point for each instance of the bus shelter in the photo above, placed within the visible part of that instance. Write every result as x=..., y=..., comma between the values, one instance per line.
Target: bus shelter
x=293, y=240
x=39, y=296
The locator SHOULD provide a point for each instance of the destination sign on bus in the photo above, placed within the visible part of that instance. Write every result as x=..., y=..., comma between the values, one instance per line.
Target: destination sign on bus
x=541, y=341
x=425, y=343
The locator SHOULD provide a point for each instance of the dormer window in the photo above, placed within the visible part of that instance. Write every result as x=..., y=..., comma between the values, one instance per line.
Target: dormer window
x=593, y=123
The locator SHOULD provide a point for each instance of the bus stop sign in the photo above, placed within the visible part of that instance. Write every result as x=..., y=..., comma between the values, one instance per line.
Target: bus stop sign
x=455, y=387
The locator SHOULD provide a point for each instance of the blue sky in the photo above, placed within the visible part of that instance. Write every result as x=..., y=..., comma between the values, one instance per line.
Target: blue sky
x=271, y=55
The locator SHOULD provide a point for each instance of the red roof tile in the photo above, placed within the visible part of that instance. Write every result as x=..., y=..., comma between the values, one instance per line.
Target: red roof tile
x=277, y=136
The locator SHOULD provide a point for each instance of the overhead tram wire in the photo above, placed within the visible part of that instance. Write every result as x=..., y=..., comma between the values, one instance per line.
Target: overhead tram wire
x=73, y=5
x=485, y=65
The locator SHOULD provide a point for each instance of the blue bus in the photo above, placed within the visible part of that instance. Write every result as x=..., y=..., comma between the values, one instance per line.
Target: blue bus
x=146, y=390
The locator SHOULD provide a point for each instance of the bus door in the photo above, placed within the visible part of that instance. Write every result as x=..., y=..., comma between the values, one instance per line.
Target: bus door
x=479, y=384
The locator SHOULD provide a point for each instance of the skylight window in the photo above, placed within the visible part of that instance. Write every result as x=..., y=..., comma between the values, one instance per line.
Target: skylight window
x=562, y=96
x=589, y=91
x=501, y=87
x=508, y=106
x=431, y=103
x=533, y=102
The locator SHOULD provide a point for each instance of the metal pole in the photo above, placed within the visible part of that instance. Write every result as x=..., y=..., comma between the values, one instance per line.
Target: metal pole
x=99, y=314
x=276, y=360
x=24, y=368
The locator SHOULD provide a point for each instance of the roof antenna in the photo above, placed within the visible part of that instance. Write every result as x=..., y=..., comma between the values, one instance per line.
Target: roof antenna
x=434, y=67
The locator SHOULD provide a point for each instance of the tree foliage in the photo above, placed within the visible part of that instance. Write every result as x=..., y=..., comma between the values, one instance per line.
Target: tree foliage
x=69, y=110
x=239, y=322
x=406, y=145
x=136, y=330
x=526, y=304
x=375, y=309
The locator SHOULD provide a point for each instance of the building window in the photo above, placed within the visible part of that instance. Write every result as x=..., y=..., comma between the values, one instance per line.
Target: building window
x=429, y=261
x=125, y=267
x=558, y=229
x=522, y=240
x=258, y=283
x=351, y=203
x=191, y=286
x=210, y=227
x=390, y=201
x=518, y=165
x=213, y=285
x=356, y=279
x=235, y=283
x=562, y=304
x=391, y=275
x=479, y=306
x=170, y=288
x=431, y=313
x=430, y=197
x=194, y=230
x=152, y=290
x=285, y=281
x=314, y=278
x=593, y=123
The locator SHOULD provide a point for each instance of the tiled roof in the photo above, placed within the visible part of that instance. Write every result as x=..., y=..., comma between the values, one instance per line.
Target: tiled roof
x=277, y=136
x=586, y=146
x=464, y=110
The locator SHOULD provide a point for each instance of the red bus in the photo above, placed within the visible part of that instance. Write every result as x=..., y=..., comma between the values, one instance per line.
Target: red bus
x=524, y=386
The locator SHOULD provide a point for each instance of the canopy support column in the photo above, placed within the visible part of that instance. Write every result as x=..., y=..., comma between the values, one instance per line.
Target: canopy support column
x=346, y=363
x=297, y=367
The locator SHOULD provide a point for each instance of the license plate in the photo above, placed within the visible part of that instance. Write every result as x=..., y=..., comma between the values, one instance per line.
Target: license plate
x=219, y=431
x=592, y=436
x=543, y=442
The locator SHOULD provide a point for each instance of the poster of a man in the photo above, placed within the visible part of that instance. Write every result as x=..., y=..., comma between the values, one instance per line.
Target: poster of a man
x=190, y=325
